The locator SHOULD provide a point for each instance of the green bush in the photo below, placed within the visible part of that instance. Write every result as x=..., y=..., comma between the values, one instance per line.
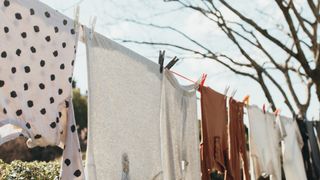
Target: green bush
x=18, y=170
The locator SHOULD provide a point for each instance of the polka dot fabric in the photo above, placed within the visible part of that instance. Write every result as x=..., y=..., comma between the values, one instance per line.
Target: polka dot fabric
x=37, y=52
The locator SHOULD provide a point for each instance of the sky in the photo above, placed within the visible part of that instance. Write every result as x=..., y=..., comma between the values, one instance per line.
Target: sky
x=111, y=15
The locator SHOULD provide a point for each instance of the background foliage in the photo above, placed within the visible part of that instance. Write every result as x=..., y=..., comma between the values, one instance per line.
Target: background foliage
x=17, y=170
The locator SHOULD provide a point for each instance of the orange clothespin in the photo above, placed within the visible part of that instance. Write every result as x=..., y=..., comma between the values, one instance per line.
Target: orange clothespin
x=246, y=100
x=277, y=112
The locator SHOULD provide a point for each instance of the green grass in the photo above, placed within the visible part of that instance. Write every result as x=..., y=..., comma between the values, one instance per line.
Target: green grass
x=18, y=170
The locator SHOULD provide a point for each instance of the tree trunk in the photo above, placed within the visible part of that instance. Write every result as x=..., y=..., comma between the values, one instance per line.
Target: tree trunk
x=316, y=80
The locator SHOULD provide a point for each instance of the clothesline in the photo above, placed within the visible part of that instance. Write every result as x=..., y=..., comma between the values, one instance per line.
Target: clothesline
x=182, y=76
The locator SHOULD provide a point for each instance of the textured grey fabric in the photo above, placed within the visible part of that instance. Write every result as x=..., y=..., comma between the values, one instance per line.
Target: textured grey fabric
x=124, y=109
x=266, y=133
x=179, y=130
x=291, y=151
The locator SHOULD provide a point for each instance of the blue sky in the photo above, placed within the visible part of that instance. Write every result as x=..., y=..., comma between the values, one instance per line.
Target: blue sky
x=110, y=15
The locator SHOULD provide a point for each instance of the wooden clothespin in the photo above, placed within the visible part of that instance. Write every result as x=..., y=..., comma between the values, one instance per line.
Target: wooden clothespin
x=172, y=63
x=161, y=59
x=233, y=93
x=226, y=90
x=246, y=100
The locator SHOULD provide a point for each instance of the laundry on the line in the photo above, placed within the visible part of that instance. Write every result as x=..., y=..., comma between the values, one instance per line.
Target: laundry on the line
x=143, y=124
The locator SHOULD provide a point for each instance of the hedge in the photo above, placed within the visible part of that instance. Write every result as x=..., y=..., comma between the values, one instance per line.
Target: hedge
x=18, y=170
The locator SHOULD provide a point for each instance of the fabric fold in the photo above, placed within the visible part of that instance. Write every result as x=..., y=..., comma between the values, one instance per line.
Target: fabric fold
x=179, y=129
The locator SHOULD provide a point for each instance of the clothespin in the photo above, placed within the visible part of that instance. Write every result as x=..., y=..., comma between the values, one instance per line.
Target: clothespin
x=172, y=63
x=161, y=59
x=233, y=93
x=246, y=100
x=76, y=17
x=203, y=79
x=264, y=108
x=277, y=112
x=226, y=90
x=92, y=22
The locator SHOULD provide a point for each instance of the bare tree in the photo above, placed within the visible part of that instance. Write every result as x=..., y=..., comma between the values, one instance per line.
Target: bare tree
x=302, y=35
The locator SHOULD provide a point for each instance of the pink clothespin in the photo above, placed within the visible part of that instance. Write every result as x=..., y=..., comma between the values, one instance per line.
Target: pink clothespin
x=264, y=108
x=203, y=79
x=277, y=112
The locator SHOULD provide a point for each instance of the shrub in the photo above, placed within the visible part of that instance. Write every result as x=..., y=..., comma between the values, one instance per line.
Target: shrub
x=18, y=170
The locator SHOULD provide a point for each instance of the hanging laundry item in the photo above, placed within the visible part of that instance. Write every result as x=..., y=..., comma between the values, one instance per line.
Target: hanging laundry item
x=37, y=52
x=317, y=126
x=266, y=133
x=315, y=154
x=291, y=151
x=305, y=149
x=237, y=155
x=124, y=109
x=214, y=127
x=179, y=130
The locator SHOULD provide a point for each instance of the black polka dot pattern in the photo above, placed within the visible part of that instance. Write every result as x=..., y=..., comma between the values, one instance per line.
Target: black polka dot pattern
x=67, y=104
x=77, y=173
x=25, y=86
x=52, y=77
x=18, y=52
x=43, y=111
x=13, y=70
x=1, y=83
x=28, y=125
x=33, y=49
x=31, y=11
x=6, y=29
x=30, y=103
x=38, y=136
x=60, y=91
x=24, y=35
x=42, y=86
x=36, y=28
x=67, y=162
x=6, y=3
x=4, y=54
x=56, y=29
x=53, y=125
x=27, y=69
x=42, y=63
x=47, y=14
x=18, y=16
x=51, y=100
x=19, y=112
x=73, y=128
x=36, y=74
x=55, y=53
x=13, y=94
